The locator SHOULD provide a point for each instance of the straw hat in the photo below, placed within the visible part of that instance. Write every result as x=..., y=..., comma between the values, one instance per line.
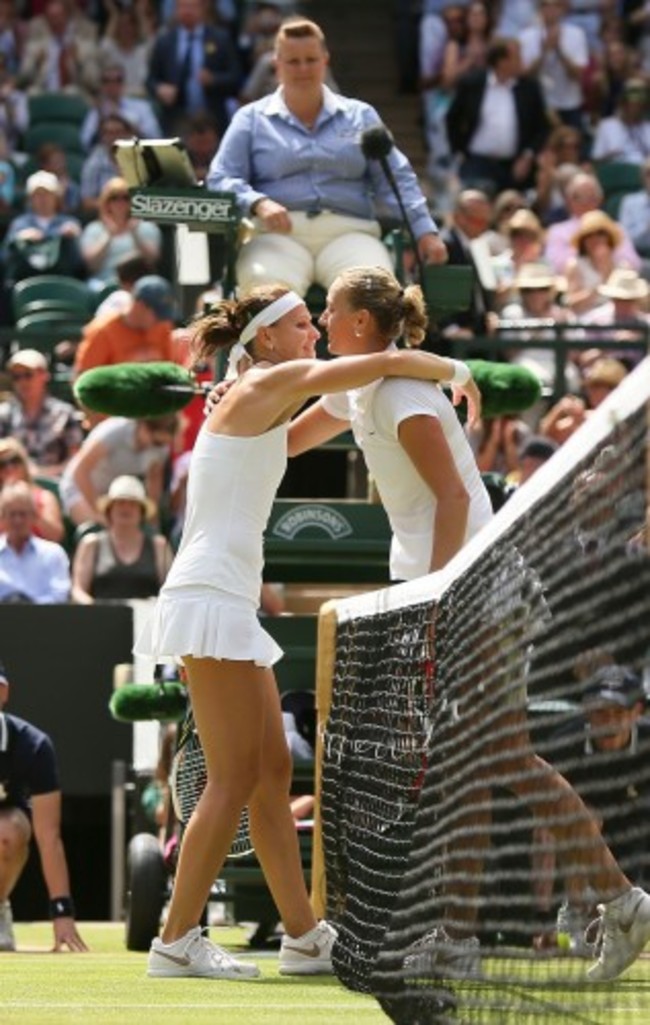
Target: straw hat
x=594, y=221
x=129, y=489
x=536, y=275
x=607, y=371
x=624, y=283
x=525, y=220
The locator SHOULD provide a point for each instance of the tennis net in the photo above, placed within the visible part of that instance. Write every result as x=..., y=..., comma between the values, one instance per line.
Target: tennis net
x=454, y=852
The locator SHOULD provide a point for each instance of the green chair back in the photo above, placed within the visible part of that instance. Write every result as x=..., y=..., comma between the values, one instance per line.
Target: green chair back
x=57, y=107
x=447, y=288
x=64, y=133
x=55, y=292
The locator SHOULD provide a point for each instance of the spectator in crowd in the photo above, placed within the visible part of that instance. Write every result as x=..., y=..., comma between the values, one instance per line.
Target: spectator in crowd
x=115, y=447
x=116, y=234
x=14, y=111
x=612, y=68
x=126, y=42
x=193, y=66
x=557, y=53
x=634, y=213
x=526, y=244
x=438, y=32
x=513, y=16
x=124, y=560
x=60, y=52
x=201, y=138
x=557, y=161
x=257, y=33
x=141, y=333
x=507, y=203
x=14, y=466
x=536, y=299
x=12, y=35
x=30, y=806
x=624, y=137
x=595, y=243
x=471, y=218
x=571, y=411
x=49, y=428
x=533, y=453
x=497, y=121
x=7, y=177
x=32, y=569
x=43, y=239
x=470, y=52
x=583, y=194
x=128, y=270
x=497, y=441
x=625, y=304
x=53, y=158
x=309, y=226
x=100, y=164
x=112, y=99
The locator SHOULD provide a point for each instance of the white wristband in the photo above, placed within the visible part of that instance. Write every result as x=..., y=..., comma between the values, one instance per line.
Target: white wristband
x=462, y=374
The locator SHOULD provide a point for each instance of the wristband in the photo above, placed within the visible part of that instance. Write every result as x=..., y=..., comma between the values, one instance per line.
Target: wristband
x=61, y=907
x=462, y=374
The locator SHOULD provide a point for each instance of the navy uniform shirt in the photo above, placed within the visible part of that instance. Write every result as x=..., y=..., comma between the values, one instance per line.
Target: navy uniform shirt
x=27, y=763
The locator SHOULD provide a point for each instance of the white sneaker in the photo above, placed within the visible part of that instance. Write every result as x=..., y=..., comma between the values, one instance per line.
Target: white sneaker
x=625, y=930
x=572, y=925
x=437, y=955
x=195, y=956
x=7, y=939
x=309, y=954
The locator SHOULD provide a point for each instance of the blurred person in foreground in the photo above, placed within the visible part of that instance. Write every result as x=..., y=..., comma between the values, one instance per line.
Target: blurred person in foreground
x=295, y=163
x=30, y=806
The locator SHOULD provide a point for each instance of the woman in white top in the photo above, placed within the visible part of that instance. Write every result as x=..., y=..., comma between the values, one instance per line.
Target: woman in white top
x=207, y=615
x=413, y=443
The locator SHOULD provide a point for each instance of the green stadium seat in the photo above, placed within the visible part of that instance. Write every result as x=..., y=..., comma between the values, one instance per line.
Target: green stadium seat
x=50, y=107
x=64, y=133
x=617, y=180
x=55, y=292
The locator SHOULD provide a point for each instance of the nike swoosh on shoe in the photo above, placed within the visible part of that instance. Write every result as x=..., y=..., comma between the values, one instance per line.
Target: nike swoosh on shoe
x=184, y=961
x=313, y=951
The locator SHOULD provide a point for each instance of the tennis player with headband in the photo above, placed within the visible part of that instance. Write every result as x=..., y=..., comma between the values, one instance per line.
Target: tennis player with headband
x=206, y=614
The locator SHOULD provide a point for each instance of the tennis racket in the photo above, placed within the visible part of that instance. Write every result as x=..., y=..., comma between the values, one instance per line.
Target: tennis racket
x=187, y=783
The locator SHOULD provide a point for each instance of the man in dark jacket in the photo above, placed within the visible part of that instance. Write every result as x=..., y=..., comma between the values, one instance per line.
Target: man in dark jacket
x=497, y=121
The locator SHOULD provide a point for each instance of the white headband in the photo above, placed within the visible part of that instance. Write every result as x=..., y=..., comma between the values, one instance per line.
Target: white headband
x=269, y=315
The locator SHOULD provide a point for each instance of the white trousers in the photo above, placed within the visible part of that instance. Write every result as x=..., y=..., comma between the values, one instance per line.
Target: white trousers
x=315, y=251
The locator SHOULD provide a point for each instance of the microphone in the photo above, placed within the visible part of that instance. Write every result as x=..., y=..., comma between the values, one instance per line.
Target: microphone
x=136, y=389
x=138, y=702
x=376, y=144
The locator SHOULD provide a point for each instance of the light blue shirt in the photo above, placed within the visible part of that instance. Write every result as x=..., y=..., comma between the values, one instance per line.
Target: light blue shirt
x=267, y=152
x=41, y=571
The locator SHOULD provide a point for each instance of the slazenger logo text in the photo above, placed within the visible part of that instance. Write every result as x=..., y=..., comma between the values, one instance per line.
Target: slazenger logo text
x=328, y=520
x=180, y=209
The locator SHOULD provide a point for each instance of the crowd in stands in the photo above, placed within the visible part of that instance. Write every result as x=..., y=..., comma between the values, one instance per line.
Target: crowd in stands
x=523, y=106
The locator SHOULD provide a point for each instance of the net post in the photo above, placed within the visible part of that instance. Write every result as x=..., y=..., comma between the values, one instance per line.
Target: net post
x=325, y=661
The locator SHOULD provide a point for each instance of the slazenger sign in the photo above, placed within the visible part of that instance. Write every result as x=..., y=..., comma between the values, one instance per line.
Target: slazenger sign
x=181, y=209
x=330, y=521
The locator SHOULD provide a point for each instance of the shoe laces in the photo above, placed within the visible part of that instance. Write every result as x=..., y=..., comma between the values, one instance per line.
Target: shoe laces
x=201, y=947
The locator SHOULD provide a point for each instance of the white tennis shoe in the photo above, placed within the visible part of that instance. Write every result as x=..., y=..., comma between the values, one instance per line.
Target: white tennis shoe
x=7, y=939
x=195, y=956
x=624, y=932
x=309, y=954
x=438, y=955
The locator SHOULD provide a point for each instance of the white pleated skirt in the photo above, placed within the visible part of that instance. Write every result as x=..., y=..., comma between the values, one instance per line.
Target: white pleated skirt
x=206, y=623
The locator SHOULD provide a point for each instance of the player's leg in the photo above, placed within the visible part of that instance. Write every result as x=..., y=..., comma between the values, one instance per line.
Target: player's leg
x=15, y=834
x=306, y=947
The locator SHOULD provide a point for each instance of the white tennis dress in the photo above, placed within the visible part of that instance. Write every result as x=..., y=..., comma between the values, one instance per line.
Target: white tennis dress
x=375, y=413
x=208, y=603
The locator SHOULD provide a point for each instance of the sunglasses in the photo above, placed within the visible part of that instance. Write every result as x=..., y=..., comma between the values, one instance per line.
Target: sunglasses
x=10, y=461
x=121, y=196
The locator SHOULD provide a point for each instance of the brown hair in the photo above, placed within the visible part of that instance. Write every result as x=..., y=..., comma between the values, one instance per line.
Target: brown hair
x=396, y=310
x=224, y=322
x=299, y=28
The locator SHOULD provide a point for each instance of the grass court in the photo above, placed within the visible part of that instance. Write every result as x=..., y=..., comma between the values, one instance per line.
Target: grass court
x=109, y=986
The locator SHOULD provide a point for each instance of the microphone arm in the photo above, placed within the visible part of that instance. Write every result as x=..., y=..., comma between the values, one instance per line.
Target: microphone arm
x=376, y=144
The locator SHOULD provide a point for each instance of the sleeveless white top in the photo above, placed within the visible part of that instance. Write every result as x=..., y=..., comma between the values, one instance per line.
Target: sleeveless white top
x=208, y=603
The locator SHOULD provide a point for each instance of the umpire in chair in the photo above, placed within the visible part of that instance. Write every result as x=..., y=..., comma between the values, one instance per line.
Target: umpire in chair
x=30, y=804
